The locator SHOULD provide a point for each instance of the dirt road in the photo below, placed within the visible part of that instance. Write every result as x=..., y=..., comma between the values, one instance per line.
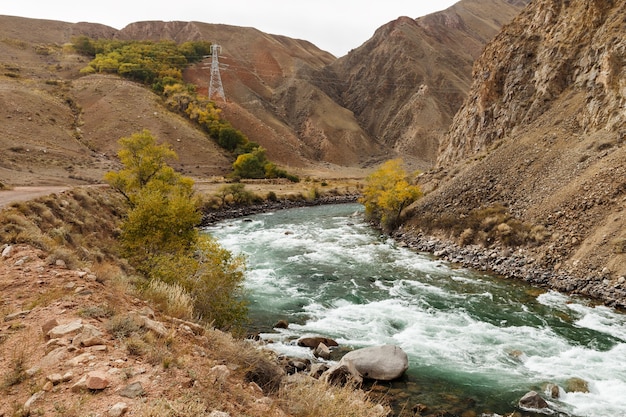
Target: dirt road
x=27, y=193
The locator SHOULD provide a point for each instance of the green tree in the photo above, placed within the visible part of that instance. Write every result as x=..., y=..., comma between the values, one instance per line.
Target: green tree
x=251, y=165
x=159, y=234
x=387, y=192
x=230, y=138
x=144, y=161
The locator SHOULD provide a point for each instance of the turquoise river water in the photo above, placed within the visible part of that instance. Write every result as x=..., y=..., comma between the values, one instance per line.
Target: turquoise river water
x=475, y=341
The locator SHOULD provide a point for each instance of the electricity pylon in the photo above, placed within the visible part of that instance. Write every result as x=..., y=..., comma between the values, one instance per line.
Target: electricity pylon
x=215, y=84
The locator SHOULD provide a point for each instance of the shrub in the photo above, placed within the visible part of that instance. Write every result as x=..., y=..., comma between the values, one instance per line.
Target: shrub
x=122, y=327
x=237, y=194
x=307, y=397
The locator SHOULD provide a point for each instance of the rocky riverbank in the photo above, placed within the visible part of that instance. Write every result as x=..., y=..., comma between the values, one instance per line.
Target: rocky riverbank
x=519, y=265
x=213, y=216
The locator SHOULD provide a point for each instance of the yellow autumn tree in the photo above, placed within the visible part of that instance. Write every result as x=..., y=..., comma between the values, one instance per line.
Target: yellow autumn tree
x=387, y=192
x=160, y=238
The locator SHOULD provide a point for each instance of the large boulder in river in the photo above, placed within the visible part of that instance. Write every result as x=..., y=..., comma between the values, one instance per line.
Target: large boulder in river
x=382, y=363
x=532, y=401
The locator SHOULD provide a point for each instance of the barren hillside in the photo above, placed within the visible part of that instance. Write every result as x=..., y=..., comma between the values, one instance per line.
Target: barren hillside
x=405, y=84
x=542, y=134
x=62, y=128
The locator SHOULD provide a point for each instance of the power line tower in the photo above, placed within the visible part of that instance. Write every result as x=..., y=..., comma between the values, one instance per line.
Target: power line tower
x=215, y=84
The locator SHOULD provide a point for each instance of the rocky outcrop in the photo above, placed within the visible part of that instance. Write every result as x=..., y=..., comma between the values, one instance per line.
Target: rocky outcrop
x=553, y=48
x=541, y=135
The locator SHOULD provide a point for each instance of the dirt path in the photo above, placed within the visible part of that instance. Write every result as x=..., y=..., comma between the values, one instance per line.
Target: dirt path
x=27, y=193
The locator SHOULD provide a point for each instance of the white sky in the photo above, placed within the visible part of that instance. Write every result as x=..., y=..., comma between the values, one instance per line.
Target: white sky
x=335, y=26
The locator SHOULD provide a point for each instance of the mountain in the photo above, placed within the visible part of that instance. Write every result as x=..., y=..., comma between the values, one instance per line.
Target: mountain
x=405, y=84
x=269, y=96
x=394, y=95
x=542, y=133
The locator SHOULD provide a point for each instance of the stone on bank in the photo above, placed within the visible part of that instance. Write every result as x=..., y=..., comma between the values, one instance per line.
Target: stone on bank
x=382, y=363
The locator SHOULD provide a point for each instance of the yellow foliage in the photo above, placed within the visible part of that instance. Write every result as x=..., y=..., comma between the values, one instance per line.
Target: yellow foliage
x=387, y=192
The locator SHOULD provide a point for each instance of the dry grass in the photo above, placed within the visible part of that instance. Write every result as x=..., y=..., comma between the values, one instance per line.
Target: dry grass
x=484, y=226
x=171, y=299
x=303, y=396
x=187, y=406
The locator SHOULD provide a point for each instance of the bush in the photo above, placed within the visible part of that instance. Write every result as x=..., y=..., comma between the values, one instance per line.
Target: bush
x=172, y=299
x=237, y=194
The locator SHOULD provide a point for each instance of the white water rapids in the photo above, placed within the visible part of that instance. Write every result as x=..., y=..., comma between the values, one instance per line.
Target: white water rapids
x=328, y=273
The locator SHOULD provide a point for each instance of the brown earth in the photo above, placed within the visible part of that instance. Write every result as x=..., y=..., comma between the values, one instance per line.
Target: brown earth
x=542, y=133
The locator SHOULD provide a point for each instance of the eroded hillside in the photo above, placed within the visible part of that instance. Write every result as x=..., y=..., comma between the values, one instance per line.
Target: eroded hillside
x=61, y=128
x=314, y=114
x=405, y=84
x=542, y=134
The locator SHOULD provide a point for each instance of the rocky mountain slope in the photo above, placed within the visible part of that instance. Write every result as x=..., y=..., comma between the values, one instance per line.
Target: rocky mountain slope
x=405, y=84
x=300, y=103
x=542, y=134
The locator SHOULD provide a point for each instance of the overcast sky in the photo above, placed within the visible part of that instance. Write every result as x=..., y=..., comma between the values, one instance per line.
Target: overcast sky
x=335, y=26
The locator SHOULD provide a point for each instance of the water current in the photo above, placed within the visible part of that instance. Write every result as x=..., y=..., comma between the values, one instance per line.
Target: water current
x=472, y=339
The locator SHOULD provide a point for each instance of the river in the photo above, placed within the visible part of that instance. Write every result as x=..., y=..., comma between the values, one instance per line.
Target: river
x=475, y=342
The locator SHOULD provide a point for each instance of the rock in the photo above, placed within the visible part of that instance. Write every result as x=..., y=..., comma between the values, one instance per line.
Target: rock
x=553, y=390
x=67, y=329
x=55, y=378
x=218, y=375
x=118, y=410
x=155, y=326
x=17, y=315
x=133, y=390
x=6, y=252
x=282, y=324
x=341, y=374
x=89, y=336
x=33, y=398
x=97, y=380
x=82, y=358
x=53, y=358
x=317, y=369
x=383, y=363
x=532, y=401
x=322, y=351
x=313, y=342
x=576, y=385
x=80, y=385
x=219, y=414
x=49, y=325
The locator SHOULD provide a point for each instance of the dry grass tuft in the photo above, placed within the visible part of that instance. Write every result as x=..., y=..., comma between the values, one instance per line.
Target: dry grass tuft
x=303, y=396
x=16, y=374
x=171, y=299
x=184, y=407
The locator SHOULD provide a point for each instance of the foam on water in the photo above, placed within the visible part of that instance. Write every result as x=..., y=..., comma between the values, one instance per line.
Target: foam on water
x=328, y=273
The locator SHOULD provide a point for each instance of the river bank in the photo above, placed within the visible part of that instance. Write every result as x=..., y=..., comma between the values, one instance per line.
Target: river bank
x=518, y=265
x=468, y=335
x=230, y=212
